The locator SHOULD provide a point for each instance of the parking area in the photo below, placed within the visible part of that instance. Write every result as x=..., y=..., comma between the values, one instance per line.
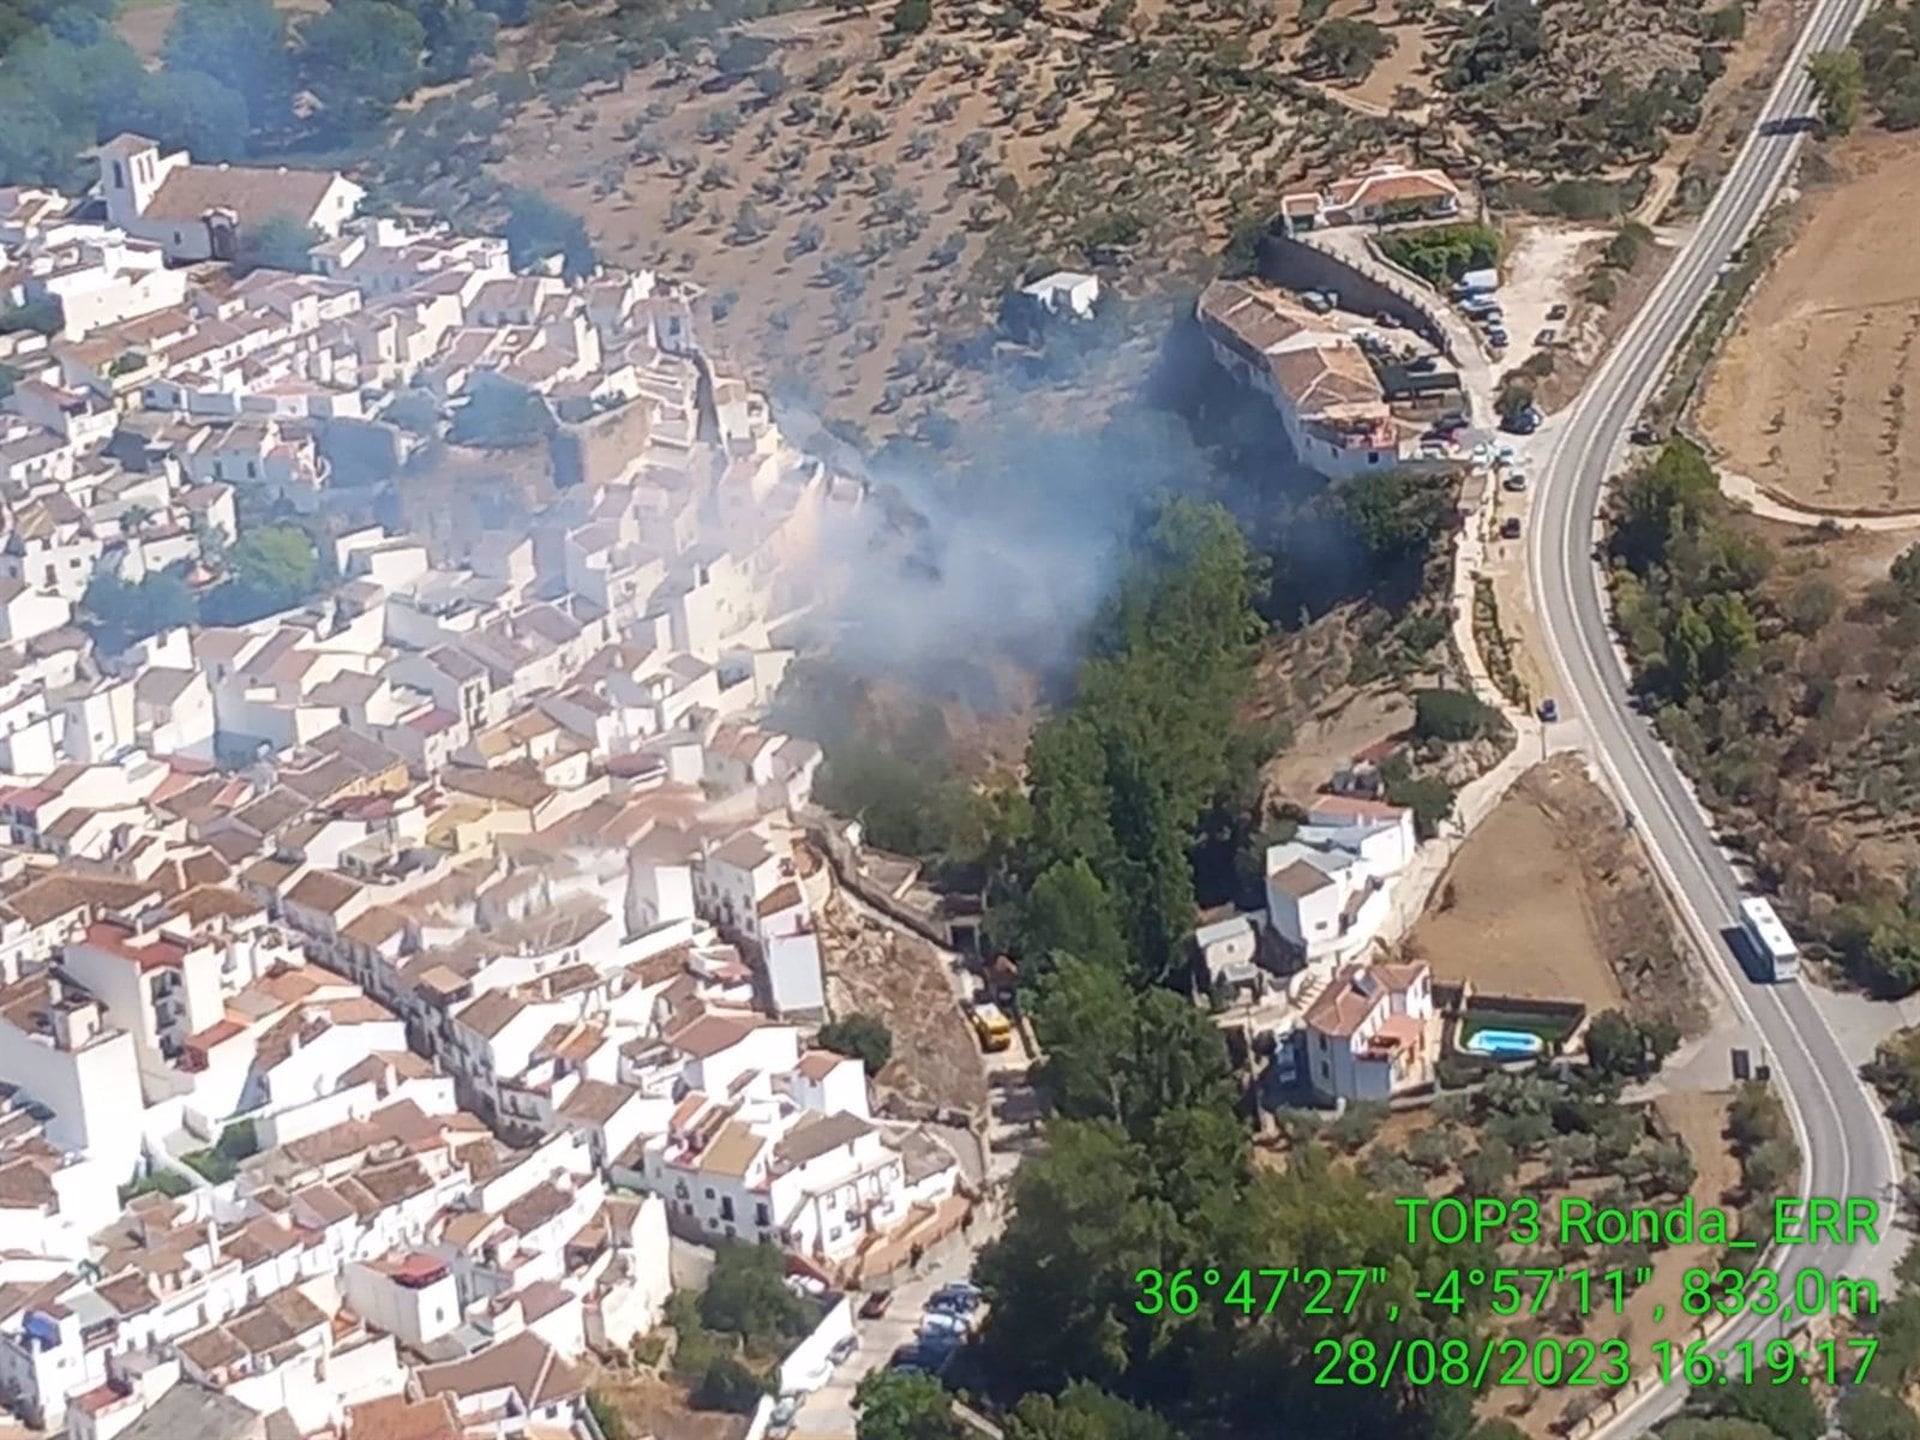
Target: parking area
x=828, y=1414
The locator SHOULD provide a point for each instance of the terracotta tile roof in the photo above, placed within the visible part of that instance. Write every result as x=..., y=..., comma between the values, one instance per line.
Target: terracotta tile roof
x=255, y=196
x=525, y=1364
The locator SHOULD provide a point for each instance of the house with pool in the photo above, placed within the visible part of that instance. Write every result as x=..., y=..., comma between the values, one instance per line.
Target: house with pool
x=1373, y=1032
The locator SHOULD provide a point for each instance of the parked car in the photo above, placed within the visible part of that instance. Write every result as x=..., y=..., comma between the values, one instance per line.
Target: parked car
x=1645, y=434
x=1545, y=337
x=1522, y=422
x=843, y=1349
x=875, y=1305
x=959, y=1298
x=1423, y=364
x=1549, y=710
x=912, y=1360
x=1515, y=481
x=1557, y=311
x=1496, y=336
x=936, y=1323
x=1451, y=421
x=780, y=1423
x=1510, y=528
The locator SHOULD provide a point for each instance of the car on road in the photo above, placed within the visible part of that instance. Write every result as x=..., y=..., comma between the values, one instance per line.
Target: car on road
x=1549, y=710
x=1557, y=311
x=843, y=1349
x=875, y=1305
x=1510, y=528
x=1515, y=481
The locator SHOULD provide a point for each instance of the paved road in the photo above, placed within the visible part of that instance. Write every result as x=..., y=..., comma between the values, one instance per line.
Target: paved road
x=1847, y=1146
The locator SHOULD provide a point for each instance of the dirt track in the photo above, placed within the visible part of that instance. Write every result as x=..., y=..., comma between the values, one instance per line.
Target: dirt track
x=1812, y=397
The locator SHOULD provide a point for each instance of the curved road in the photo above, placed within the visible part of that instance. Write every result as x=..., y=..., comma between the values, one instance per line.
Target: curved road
x=1847, y=1146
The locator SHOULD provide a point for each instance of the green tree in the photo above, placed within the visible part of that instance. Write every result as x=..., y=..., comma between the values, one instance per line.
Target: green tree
x=537, y=230
x=1839, y=82
x=1789, y=1412
x=747, y=1295
x=1449, y=715
x=128, y=613
x=1875, y=1415
x=500, y=414
x=910, y=17
x=361, y=58
x=271, y=568
x=1084, y=1412
x=280, y=242
x=1067, y=908
x=1346, y=48
x=893, y=1406
x=729, y=1384
x=865, y=1037
x=1622, y=1048
x=244, y=46
x=1083, y=1016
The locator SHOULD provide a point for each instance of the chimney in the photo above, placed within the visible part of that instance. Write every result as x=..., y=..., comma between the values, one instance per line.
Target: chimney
x=213, y=1243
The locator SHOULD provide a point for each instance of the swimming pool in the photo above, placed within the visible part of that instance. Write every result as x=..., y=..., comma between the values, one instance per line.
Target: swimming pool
x=1504, y=1044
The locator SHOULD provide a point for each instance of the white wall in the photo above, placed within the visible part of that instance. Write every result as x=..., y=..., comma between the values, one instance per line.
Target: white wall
x=809, y=1358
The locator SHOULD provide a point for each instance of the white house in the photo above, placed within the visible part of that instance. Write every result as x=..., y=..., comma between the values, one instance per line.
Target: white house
x=1370, y=1034
x=1385, y=195
x=26, y=613
x=1329, y=399
x=1380, y=834
x=1327, y=888
x=203, y=212
x=1065, y=293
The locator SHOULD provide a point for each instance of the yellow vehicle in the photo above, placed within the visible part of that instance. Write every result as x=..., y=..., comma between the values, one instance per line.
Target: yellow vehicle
x=994, y=1030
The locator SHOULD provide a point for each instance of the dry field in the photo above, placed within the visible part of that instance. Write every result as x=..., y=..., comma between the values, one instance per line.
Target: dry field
x=1551, y=898
x=886, y=191
x=1811, y=397
x=1514, y=917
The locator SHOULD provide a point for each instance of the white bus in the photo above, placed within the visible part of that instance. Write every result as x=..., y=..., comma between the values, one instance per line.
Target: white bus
x=1770, y=940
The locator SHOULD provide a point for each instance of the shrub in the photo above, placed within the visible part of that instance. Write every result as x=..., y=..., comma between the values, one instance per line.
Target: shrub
x=1444, y=251
x=1429, y=797
x=1449, y=715
x=729, y=1384
x=864, y=1037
